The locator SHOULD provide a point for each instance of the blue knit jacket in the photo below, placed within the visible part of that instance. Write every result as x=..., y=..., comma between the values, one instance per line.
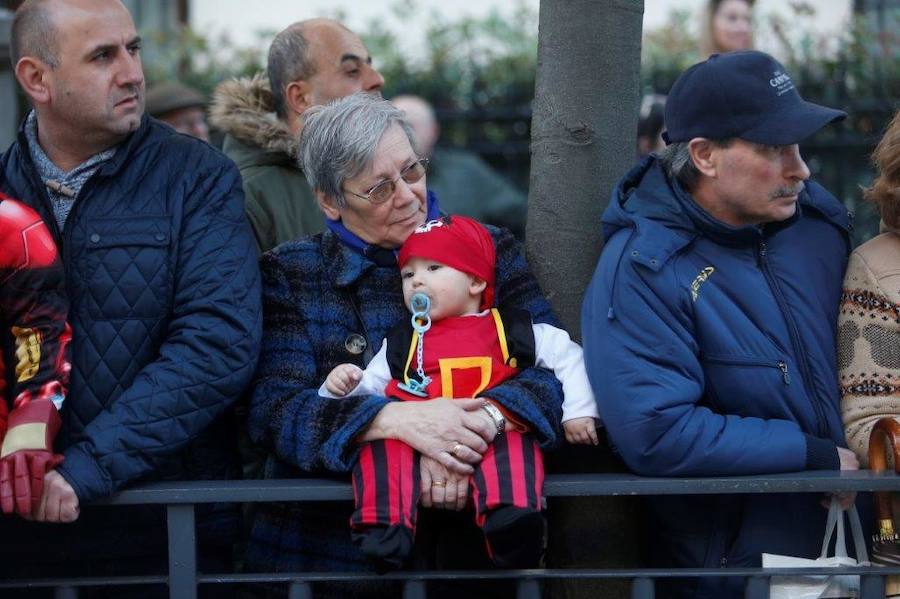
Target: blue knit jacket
x=310, y=287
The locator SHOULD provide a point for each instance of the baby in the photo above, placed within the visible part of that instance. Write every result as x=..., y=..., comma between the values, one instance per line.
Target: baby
x=458, y=346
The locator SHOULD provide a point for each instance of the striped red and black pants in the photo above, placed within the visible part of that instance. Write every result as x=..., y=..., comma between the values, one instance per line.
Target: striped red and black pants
x=387, y=488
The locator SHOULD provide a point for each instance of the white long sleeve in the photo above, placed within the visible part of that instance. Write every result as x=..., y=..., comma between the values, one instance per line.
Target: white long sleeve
x=554, y=349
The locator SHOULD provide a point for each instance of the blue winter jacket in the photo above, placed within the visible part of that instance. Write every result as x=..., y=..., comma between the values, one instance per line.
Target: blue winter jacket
x=711, y=350
x=163, y=280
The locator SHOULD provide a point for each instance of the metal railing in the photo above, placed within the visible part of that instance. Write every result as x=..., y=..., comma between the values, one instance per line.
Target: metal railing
x=183, y=577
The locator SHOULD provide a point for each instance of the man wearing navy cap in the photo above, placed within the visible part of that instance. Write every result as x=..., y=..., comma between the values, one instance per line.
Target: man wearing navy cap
x=709, y=326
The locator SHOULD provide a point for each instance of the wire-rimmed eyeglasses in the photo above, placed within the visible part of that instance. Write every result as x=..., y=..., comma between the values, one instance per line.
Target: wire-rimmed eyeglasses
x=383, y=191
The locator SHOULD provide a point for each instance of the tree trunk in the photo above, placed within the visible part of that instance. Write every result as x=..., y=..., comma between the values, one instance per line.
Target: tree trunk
x=583, y=139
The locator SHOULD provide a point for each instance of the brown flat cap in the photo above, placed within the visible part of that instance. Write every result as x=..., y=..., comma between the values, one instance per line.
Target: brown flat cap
x=168, y=96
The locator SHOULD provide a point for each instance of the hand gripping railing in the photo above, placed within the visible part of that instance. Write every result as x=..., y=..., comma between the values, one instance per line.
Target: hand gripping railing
x=183, y=577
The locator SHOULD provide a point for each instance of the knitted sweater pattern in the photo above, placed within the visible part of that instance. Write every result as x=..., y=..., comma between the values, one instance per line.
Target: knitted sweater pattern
x=869, y=339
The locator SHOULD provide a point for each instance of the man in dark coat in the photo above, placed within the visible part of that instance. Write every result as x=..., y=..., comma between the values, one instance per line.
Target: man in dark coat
x=160, y=271
x=709, y=327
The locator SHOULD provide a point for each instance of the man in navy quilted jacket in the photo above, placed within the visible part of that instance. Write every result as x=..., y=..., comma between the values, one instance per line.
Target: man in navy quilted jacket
x=160, y=269
x=709, y=326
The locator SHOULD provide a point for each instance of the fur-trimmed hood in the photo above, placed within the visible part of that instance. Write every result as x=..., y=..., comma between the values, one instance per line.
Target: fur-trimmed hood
x=244, y=109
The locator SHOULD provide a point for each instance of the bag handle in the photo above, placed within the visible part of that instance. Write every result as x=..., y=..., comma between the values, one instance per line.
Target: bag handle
x=835, y=520
x=834, y=523
x=886, y=431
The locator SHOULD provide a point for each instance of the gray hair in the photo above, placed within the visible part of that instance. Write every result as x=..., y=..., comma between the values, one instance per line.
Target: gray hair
x=338, y=140
x=678, y=165
x=33, y=34
x=289, y=60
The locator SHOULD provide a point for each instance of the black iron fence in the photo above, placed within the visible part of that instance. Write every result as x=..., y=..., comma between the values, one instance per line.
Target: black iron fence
x=183, y=577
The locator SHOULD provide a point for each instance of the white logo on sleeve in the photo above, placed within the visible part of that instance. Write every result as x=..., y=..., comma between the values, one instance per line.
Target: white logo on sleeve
x=701, y=278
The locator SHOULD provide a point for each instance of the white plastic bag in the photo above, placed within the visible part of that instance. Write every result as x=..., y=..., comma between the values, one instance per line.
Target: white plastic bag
x=822, y=587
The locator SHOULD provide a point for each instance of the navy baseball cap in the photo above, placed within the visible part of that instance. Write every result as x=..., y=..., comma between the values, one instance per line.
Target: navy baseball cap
x=745, y=94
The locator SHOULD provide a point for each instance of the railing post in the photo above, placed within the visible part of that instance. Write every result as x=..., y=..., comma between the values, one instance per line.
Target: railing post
x=65, y=593
x=300, y=590
x=182, y=552
x=643, y=588
x=757, y=587
x=871, y=586
x=414, y=589
x=528, y=588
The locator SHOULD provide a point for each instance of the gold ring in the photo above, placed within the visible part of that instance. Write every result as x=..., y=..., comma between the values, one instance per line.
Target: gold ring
x=438, y=483
x=456, y=448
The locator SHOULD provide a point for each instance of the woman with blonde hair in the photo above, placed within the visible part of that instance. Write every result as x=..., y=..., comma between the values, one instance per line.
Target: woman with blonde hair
x=869, y=320
x=727, y=26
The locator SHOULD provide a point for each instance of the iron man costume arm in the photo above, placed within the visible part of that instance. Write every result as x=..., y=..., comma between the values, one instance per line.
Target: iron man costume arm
x=36, y=336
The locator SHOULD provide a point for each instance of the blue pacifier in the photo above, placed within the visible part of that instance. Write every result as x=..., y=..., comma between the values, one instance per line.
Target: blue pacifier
x=420, y=304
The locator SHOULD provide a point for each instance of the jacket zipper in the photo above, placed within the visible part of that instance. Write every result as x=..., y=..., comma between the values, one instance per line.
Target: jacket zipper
x=796, y=342
x=779, y=364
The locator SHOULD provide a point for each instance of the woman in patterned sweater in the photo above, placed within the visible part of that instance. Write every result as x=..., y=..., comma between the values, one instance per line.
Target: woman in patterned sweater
x=869, y=322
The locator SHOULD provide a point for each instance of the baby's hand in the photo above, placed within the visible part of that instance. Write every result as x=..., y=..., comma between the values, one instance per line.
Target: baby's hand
x=581, y=431
x=343, y=379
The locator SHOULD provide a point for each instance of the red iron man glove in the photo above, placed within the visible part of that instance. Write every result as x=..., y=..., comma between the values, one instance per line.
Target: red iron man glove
x=27, y=454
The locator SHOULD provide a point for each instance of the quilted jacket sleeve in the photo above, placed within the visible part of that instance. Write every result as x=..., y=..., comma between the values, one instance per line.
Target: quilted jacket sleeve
x=210, y=351
x=642, y=361
x=534, y=395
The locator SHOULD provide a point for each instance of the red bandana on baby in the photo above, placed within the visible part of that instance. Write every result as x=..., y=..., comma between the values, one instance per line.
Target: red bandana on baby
x=459, y=242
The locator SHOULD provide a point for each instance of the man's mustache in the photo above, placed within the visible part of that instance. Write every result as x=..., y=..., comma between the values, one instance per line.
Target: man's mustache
x=788, y=191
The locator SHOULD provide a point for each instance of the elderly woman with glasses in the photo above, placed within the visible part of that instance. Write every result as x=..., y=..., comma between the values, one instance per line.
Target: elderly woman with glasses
x=330, y=299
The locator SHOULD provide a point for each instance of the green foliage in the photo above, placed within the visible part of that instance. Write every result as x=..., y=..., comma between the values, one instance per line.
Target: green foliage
x=469, y=63
x=198, y=61
x=490, y=61
x=666, y=52
x=862, y=62
x=466, y=63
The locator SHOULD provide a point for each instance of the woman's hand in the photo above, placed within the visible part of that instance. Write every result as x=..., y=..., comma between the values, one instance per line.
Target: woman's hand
x=453, y=432
x=442, y=488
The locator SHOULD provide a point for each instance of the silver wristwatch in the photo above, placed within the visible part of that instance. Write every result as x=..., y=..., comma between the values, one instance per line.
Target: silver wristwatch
x=496, y=415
